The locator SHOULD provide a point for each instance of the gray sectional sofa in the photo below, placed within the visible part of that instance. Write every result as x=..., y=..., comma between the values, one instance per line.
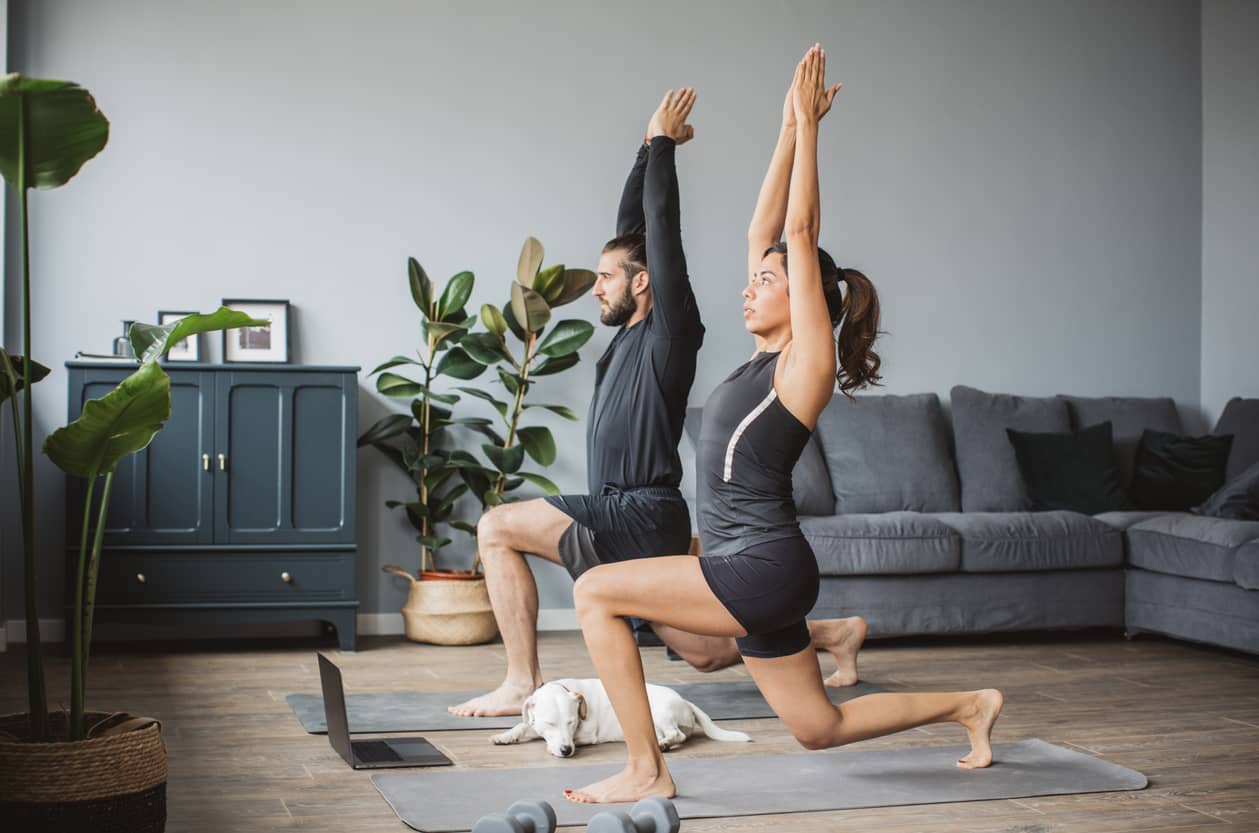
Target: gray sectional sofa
x=923, y=528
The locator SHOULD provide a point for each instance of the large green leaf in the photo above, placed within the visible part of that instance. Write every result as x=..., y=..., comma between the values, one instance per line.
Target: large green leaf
x=38, y=371
x=150, y=341
x=385, y=428
x=493, y=319
x=530, y=261
x=509, y=318
x=501, y=407
x=506, y=460
x=549, y=282
x=555, y=365
x=510, y=381
x=487, y=348
x=456, y=295
x=539, y=443
x=391, y=384
x=530, y=308
x=567, y=337
x=63, y=127
x=577, y=282
x=562, y=410
x=459, y=364
x=395, y=362
x=421, y=287
x=439, y=331
x=538, y=480
x=122, y=421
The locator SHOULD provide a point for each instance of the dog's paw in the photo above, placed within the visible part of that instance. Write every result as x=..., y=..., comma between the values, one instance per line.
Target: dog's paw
x=504, y=739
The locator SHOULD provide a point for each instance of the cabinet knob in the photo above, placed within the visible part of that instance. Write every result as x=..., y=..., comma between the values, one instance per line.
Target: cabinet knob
x=222, y=462
x=205, y=462
x=140, y=577
x=286, y=578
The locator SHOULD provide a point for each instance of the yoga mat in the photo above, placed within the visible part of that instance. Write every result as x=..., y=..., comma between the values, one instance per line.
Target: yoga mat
x=425, y=711
x=748, y=785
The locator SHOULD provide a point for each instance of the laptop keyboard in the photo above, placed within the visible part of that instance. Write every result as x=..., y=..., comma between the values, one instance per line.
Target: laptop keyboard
x=375, y=751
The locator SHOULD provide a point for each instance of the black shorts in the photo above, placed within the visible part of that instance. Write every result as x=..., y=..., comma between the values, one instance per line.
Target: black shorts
x=769, y=589
x=621, y=525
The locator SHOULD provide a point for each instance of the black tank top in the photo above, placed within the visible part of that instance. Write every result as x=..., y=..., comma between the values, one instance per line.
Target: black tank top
x=749, y=443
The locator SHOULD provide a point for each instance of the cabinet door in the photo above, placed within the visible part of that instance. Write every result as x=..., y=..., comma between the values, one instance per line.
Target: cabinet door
x=287, y=440
x=162, y=494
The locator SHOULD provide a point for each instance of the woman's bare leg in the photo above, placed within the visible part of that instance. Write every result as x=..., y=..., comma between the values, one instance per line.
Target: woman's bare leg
x=792, y=686
x=668, y=588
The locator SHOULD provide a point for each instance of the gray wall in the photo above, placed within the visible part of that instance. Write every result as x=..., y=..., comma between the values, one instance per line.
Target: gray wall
x=1020, y=179
x=1230, y=201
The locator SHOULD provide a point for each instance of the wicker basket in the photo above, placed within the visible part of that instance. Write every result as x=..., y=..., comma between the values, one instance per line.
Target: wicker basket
x=112, y=782
x=447, y=608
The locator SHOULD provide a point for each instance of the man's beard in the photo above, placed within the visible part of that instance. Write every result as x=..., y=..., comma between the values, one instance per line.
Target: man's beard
x=619, y=311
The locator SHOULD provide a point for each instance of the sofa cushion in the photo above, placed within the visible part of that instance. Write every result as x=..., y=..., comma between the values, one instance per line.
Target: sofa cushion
x=1181, y=544
x=989, y=473
x=1241, y=419
x=1124, y=519
x=1246, y=566
x=1237, y=500
x=888, y=454
x=1128, y=416
x=998, y=542
x=888, y=543
x=1072, y=470
x=1174, y=472
x=810, y=482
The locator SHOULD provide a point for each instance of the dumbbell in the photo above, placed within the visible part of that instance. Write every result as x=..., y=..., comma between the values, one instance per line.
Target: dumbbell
x=651, y=815
x=521, y=817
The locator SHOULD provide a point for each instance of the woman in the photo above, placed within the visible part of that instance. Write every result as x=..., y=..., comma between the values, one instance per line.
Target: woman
x=758, y=578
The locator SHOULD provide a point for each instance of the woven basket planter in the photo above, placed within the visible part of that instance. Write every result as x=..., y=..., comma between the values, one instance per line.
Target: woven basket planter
x=112, y=782
x=447, y=608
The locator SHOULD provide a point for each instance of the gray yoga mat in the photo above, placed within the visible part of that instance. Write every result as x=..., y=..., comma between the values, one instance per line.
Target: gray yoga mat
x=425, y=711
x=749, y=785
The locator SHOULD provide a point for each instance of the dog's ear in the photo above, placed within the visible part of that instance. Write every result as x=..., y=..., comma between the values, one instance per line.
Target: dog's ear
x=582, y=711
x=526, y=710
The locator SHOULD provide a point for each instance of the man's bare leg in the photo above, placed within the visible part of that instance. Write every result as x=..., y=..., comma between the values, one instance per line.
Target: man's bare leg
x=841, y=638
x=504, y=535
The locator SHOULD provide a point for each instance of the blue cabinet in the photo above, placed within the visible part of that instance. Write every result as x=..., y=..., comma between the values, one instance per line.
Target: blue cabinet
x=242, y=508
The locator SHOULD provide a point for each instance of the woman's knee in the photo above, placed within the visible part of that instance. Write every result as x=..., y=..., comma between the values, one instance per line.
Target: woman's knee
x=814, y=734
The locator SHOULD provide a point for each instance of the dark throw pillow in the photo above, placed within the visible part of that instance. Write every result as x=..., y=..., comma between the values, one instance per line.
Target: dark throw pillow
x=1074, y=470
x=1237, y=500
x=1173, y=473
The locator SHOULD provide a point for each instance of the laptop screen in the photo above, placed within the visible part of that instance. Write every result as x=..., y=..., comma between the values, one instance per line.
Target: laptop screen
x=334, y=708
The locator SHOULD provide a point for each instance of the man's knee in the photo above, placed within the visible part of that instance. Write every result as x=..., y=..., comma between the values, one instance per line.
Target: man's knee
x=590, y=591
x=493, y=531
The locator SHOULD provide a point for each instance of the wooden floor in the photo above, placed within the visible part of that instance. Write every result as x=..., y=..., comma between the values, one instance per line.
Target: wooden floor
x=1185, y=715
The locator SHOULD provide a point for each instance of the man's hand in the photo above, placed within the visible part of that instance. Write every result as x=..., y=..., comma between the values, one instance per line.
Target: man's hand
x=670, y=117
x=809, y=97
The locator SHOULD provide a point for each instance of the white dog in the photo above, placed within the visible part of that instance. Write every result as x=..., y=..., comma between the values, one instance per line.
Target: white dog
x=571, y=713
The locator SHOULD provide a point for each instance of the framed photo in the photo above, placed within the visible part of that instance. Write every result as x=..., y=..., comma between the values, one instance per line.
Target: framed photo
x=187, y=350
x=258, y=344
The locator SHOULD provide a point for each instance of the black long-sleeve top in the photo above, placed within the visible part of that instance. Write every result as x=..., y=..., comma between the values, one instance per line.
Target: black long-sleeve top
x=644, y=377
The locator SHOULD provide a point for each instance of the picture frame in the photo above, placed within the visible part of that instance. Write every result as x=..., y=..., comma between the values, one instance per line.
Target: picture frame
x=188, y=350
x=258, y=344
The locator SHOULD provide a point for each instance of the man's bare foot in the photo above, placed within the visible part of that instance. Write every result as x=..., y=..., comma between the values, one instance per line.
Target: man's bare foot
x=506, y=699
x=627, y=785
x=978, y=721
x=842, y=639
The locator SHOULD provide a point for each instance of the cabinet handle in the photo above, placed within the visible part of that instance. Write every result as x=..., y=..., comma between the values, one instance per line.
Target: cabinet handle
x=222, y=462
x=140, y=577
x=205, y=462
x=286, y=578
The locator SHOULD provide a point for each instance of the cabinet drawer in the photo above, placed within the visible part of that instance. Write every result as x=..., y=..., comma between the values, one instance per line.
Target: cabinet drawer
x=227, y=578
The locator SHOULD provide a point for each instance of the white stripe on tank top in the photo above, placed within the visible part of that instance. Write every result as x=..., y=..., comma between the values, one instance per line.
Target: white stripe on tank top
x=738, y=432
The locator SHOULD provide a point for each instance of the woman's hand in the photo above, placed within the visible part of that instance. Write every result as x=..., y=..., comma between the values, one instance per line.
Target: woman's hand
x=670, y=117
x=809, y=97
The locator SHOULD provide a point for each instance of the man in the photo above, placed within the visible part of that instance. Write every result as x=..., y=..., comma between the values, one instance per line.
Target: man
x=642, y=381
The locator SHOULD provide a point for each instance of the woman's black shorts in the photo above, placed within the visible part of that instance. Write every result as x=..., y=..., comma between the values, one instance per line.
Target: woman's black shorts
x=770, y=589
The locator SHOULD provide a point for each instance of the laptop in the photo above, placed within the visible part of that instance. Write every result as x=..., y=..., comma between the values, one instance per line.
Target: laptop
x=368, y=754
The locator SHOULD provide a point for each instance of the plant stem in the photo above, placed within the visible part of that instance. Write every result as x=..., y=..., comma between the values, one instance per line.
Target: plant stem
x=76, y=628
x=34, y=645
x=93, y=569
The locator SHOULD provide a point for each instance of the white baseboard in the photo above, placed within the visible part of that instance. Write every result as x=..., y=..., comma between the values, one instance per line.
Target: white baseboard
x=369, y=624
x=390, y=624
x=50, y=630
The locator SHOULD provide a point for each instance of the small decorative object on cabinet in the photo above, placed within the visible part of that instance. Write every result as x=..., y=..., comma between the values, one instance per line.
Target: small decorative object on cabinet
x=242, y=509
x=258, y=344
x=186, y=350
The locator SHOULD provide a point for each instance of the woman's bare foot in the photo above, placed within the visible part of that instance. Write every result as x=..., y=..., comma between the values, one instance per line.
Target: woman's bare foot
x=978, y=721
x=506, y=699
x=630, y=784
x=842, y=639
